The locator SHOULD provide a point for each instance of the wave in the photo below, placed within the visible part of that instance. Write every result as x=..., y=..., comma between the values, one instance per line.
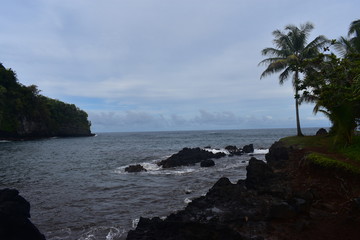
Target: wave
x=215, y=151
x=260, y=151
x=99, y=232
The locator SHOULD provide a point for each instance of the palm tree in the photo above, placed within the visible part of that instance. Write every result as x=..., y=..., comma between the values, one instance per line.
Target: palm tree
x=350, y=45
x=292, y=49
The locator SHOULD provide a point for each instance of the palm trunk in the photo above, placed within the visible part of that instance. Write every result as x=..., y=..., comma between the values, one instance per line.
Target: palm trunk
x=298, y=128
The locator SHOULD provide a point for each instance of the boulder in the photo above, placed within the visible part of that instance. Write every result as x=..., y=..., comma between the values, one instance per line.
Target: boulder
x=278, y=155
x=135, y=168
x=258, y=175
x=321, y=132
x=248, y=148
x=14, y=217
x=207, y=163
x=189, y=156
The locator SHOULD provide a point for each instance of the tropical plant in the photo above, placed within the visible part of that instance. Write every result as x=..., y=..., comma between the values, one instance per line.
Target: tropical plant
x=291, y=50
x=334, y=86
x=351, y=44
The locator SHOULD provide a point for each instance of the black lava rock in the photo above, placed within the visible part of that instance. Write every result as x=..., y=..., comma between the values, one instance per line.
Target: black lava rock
x=207, y=163
x=135, y=168
x=189, y=156
x=14, y=217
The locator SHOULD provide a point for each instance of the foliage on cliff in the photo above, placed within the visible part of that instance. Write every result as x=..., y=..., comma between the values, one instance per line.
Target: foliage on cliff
x=24, y=113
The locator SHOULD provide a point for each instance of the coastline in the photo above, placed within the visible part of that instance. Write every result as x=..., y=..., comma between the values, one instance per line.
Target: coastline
x=285, y=198
x=32, y=138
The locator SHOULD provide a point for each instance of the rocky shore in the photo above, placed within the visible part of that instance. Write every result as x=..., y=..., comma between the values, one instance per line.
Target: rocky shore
x=285, y=198
x=14, y=217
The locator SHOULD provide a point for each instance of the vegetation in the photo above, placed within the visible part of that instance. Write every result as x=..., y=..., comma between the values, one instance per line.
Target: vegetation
x=329, y=81
x=331, y=163
x=321, y=152
x=292, y=49
x=24, y=112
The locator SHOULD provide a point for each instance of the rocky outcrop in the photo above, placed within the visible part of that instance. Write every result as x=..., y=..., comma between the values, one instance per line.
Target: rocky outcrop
x=233, y=150
x=278, y=200
x=135, y=168
x=248, y=148
x=278, y=155
x=189, y=156
x=237, y=210
x=14, y=217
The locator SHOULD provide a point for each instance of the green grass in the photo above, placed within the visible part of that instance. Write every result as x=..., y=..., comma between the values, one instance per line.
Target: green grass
x=309, y=141
x=331, y=163
x=323, y=152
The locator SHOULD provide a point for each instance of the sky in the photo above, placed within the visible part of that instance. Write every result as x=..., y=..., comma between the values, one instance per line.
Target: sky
x=162, y=65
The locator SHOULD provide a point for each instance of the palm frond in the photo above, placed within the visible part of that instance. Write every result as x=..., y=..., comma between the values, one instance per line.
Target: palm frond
x=354, y=28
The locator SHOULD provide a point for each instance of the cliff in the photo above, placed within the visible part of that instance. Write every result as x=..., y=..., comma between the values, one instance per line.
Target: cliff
x=26, y=114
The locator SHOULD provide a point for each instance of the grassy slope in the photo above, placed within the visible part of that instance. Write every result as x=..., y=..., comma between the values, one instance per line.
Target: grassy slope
x=322, y=152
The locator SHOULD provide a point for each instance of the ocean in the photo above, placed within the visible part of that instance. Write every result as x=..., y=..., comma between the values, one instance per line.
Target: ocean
x=79, y=190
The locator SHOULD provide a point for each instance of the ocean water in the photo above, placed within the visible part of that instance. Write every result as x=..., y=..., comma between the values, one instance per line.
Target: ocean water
x=78, y=188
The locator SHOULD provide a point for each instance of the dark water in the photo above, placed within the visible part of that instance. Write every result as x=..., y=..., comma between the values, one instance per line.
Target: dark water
x=78, y=189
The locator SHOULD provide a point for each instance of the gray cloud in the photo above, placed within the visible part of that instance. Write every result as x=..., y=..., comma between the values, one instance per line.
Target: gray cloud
x=161, y=64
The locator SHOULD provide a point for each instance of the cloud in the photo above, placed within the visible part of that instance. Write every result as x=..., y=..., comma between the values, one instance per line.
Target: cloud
x=171, y=63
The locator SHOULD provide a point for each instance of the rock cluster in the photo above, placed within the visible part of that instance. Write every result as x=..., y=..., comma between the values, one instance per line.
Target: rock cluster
x=244, y=210
x=14, y=217
x=189, y=156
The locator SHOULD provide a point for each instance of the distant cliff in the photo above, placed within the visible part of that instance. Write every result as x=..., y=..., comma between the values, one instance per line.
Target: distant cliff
x=26, y=114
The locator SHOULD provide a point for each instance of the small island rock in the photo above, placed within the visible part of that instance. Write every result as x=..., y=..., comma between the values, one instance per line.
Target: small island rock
x=135, y=168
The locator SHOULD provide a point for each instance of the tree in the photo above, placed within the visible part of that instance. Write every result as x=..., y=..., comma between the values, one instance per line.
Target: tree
x=291, y=50
x=335, y=88
x=350, y=45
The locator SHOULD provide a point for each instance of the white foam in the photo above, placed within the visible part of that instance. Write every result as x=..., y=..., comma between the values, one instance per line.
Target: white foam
x=4, y=141
x=93, y=234
x=260, y=151
x=135, y=222
x=187, y=200
x=215, y=151
x=151, y=166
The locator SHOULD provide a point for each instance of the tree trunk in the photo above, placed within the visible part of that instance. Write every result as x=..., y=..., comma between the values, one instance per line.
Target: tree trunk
x=298, y=128
x=296, y=84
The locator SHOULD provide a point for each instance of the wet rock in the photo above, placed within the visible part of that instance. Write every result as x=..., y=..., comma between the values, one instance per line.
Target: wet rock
x=321, y=132
x=207, y=163
x=14, y=217
x=189, y=156
x=233, y=150
x=248, y=148
x=135, y=168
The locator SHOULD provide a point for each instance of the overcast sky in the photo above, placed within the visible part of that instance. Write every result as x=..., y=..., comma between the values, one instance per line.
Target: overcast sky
x=147, y=65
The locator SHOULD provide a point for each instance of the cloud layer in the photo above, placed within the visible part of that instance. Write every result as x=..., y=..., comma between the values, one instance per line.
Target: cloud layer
x=162, y=65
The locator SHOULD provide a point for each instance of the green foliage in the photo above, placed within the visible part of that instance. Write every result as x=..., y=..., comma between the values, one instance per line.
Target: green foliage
x=332, y=163
x=333, y=84
x=26, y=113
